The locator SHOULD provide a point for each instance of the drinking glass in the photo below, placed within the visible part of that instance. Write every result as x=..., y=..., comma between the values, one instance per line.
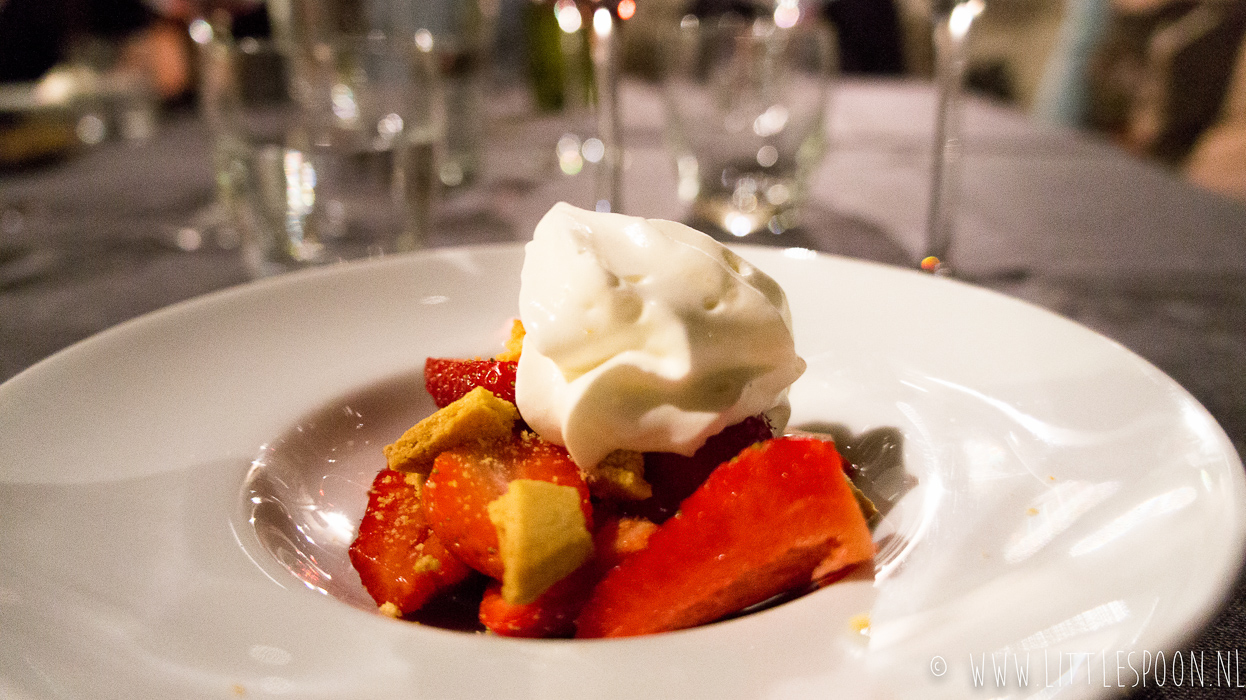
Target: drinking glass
x=460, y=35
x=323, y=155
x=951, y=21
x=746, y=101
x=574, y=51
x=606, y=59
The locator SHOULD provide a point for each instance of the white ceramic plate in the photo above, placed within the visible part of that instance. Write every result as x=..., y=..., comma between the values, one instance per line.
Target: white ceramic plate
x=1071, y=501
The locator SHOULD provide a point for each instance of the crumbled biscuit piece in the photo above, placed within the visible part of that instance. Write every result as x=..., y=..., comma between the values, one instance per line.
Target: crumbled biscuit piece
x=390, y=610
x=416, y=481
x=427, y=564
x=620, y=476
x=479, y=415
x=514, y=345
x=542, y=537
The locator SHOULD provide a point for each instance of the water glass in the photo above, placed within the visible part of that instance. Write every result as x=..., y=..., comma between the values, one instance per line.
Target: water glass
x=320, y=155
x=746, y=106
x=458, y=33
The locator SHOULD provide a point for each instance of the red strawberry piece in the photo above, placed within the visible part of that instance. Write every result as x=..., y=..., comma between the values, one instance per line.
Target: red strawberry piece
x=674, y=477
x=466, y=479
x=769, y=521
x=554, y=613
x=398, y=557
x=448, y=380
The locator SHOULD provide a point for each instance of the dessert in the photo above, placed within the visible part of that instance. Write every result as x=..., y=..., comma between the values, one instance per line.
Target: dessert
x=628, y=481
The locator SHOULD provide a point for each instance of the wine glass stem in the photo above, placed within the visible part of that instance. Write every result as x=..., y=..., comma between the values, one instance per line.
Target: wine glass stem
x=949, y=45
x=605, y=55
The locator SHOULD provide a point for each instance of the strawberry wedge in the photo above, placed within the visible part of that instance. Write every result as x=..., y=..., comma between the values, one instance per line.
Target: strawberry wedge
x=399, y=559
x=448, y=380
x=771, y=520
x=466, y=479
x=555, y=612
x=674, y=477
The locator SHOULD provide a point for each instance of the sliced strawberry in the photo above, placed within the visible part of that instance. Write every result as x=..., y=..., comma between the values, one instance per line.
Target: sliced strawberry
x=398, y=557
x=761, y=524
x=551, y=615
x=554, y=613
x=464, y=480
x=674, y=477
x=448, y=380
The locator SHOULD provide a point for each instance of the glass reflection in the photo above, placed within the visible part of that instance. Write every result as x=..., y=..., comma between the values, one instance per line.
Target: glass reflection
x=1054, y=512
x=1167, y=502
x=1092, y=620
x=307, y=489
x=1054, y=435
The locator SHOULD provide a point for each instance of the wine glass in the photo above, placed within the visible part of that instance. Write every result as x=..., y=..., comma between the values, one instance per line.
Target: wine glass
x=575, y=55
x=746, y=96
x=951, y=21
x=606, y=48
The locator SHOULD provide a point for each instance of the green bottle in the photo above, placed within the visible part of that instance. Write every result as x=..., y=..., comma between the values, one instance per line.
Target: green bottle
x=559, y=65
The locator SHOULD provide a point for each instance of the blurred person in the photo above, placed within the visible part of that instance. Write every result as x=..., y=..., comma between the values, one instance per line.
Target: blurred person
x=144, y=36
x=1160, y=75
x=1218, y=159
x=1064, y=91
x=867, y=32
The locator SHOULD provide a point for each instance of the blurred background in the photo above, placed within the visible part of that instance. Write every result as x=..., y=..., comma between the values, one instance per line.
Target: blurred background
x=1165, y=79
x=1105, y=144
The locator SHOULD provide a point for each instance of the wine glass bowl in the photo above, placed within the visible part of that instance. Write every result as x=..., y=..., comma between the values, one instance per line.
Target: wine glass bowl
x=746, y=101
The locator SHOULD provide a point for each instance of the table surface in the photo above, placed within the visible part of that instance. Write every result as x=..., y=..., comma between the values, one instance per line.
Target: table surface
x=1048, y=215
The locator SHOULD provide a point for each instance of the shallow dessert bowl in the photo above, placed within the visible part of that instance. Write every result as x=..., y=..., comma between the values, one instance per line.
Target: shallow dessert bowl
x=178, y=493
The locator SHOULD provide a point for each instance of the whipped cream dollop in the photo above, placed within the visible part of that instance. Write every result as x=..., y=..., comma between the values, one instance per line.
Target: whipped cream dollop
x=645, y=335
